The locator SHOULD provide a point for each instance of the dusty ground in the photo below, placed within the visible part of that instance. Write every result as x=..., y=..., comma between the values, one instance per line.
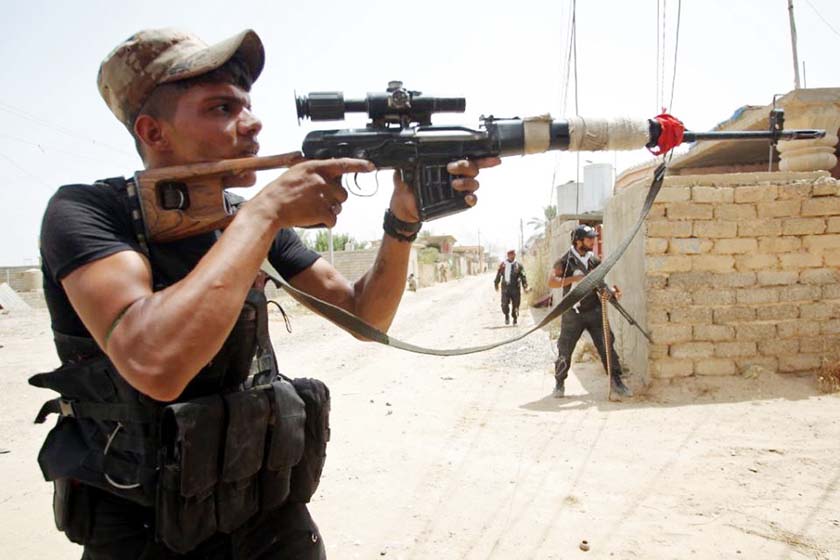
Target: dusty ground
x=469, y=457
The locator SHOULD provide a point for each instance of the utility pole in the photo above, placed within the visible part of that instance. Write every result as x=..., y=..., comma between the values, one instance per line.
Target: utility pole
x=793, y=43
x=480, y=254
x=330, y=240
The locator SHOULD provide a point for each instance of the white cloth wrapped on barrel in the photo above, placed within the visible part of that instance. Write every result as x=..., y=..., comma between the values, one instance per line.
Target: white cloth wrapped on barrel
x=588, y=135
x=592, y=135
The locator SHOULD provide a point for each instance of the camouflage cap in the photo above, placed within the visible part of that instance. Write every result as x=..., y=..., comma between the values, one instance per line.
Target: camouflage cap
x=149, y=58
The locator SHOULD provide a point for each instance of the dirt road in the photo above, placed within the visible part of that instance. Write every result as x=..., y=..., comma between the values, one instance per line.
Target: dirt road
x=470, y=458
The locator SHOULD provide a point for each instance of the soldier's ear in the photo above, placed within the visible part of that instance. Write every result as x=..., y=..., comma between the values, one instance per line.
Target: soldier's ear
x=149, y=132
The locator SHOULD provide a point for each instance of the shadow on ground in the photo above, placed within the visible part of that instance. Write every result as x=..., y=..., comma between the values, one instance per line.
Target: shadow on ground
x=587, y=387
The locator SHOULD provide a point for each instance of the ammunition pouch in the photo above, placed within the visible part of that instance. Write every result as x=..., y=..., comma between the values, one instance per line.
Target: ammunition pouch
x=207, y=464
x=73, y=509
x=307, y=473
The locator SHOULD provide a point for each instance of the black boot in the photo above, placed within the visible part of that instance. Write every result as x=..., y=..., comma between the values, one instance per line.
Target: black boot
x=559, y=389
x=619, y=389
x=515, y=317
x=507, y=320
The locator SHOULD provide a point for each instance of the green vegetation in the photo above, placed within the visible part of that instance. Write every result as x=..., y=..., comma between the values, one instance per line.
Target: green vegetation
x=428, y=255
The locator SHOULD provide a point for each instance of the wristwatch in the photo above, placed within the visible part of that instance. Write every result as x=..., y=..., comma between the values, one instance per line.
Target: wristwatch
x=400, y=230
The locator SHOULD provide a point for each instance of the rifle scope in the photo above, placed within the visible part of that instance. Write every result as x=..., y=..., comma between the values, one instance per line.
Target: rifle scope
x=395, y=105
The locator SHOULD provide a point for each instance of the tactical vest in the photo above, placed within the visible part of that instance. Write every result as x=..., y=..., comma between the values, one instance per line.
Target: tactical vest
x=575, y=267
x=241, y=438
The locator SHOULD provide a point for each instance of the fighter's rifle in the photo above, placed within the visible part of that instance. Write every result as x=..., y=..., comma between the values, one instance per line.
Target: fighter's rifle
x=186, y=200
x=172, y=203
x=605, y=293
x=611, y=297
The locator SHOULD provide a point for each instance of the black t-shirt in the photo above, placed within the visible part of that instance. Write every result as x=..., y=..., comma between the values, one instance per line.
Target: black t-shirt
x=570, y=265
x=84, y=223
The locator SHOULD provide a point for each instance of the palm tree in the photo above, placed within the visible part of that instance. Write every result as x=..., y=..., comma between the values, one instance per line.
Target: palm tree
x=540, y=224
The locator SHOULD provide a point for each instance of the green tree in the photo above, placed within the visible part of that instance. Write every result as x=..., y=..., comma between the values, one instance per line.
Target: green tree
x=428, y=255
x=340, y=241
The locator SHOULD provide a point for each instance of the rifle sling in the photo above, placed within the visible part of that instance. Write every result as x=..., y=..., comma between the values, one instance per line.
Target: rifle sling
x=358, y=327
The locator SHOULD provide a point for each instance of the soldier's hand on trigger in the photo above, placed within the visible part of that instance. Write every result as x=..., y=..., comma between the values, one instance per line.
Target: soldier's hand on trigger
x=309, y=193
x=616, y=292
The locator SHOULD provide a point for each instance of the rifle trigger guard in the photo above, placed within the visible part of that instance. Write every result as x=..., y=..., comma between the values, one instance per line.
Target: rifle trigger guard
x=359, y=192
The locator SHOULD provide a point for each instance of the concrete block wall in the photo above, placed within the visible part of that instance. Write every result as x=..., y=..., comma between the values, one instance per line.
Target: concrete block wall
x=353, y=264
x=620, y=215
x=27, y=281
x=742, y=270
x=22, y=278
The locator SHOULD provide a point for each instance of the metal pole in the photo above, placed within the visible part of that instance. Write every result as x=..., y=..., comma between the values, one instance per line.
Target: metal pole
x=577, y=182
x=480, y=254
x=330, y=241
x=793, y=43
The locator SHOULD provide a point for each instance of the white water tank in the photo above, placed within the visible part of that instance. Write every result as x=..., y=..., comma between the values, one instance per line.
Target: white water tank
x=597, y=187
x=567, y=198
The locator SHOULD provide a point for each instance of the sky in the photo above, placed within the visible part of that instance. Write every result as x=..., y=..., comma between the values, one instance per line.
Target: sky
x=506, y=58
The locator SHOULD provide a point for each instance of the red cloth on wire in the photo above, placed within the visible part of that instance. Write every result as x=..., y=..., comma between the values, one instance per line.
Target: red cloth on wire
x=670, y=135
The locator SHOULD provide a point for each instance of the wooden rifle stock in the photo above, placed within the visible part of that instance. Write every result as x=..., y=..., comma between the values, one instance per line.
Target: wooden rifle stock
x=185, y=200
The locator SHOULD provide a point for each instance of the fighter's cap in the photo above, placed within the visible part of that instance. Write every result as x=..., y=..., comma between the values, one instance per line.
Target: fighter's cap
x=152, y=57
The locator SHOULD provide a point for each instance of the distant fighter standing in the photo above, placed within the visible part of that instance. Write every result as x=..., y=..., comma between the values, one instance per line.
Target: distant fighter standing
x=511, y=274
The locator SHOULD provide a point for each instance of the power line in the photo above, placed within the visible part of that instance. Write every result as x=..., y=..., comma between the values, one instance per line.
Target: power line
x=20, y=113
x=676, y=48
x=569, y=35
x=574, y=46
x=658, y=47
x=577, y=107
x=561, y=56
x=25, y=171
x=662, y=57
x=825, y=21
x=567, y=57
x=44, y=147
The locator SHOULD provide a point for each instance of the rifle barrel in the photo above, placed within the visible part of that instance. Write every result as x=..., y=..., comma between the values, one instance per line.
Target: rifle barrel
x=626, y=314
x=800, y=134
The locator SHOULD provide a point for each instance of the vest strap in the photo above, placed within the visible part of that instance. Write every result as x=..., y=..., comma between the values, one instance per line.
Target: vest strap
x=129, y=413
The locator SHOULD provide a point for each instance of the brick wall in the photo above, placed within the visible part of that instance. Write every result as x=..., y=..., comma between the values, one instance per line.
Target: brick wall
x=353, y=264
x=740, y=270
x=18, y=277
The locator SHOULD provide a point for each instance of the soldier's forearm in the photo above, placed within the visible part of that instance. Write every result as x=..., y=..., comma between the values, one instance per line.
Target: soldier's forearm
x=379, y=292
